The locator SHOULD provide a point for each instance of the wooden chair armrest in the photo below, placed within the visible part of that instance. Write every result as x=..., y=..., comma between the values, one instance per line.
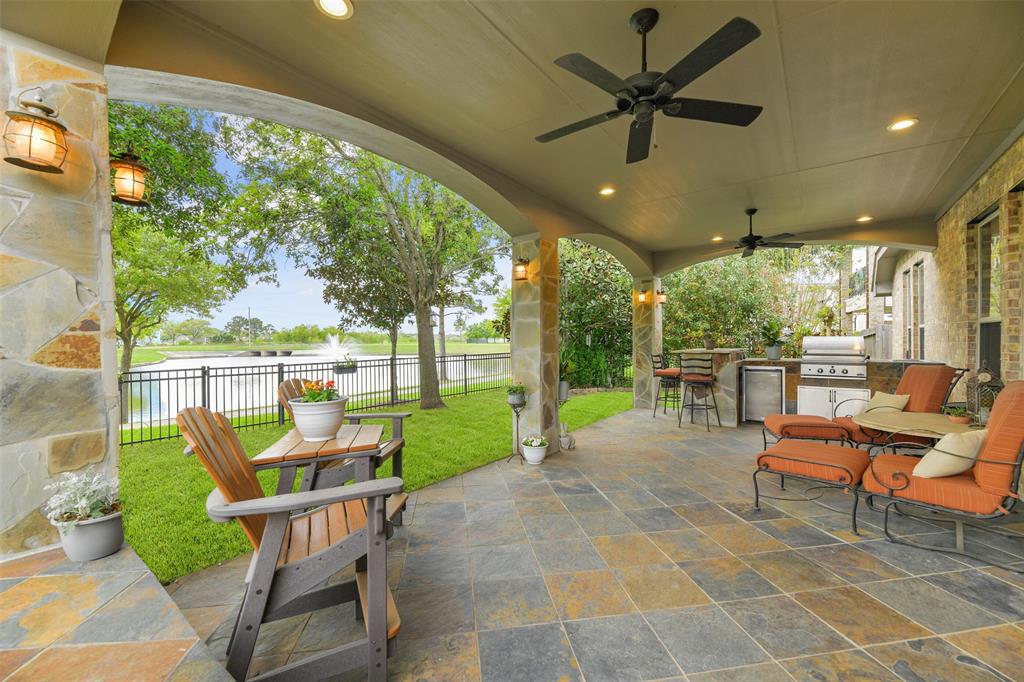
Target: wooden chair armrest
x=397, y=419
x=296, y=501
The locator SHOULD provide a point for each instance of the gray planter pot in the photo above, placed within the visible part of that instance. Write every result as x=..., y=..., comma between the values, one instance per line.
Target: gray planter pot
x=93, y=539
x=563, y=391
x=516, y=399
x=773, y=352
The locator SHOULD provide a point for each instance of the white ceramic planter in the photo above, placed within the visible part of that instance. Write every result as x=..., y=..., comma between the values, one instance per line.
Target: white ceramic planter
x=534, y=455
x=318, y=421
x=93, y=539
x=563, y=391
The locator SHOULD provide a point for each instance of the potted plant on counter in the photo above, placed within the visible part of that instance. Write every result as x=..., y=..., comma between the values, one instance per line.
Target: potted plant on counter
x=345, y=366
x=771, y=337
x=534, y=449
x=957, y=414
x=319, y=411
x=86, y=510
x=517, y=395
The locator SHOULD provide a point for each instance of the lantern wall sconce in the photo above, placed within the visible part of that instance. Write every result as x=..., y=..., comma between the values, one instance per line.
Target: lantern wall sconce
x=521, y=270
x=33, y=137
x=661, y=297
x=641, y=297
x=129, y=180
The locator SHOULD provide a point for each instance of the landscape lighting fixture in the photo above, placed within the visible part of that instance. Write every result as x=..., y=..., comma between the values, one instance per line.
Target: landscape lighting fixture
x=901, y=124
x=33, y=137
x=129, y=180
x=335, y=9
x=520, y=269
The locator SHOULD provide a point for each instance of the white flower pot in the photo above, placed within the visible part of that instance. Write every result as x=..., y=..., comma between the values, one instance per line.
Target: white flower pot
x=534, y=455
x=318, y=421
x=92, y=539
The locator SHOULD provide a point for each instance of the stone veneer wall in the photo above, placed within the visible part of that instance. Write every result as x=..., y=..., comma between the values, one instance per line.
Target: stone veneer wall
x=647, y=340
x=951, y=285
x=58, y=373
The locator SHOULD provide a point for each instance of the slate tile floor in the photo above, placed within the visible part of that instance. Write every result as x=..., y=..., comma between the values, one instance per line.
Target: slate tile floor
x=639, y=556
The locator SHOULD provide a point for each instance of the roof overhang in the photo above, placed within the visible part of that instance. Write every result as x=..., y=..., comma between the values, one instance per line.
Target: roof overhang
x=886, y=259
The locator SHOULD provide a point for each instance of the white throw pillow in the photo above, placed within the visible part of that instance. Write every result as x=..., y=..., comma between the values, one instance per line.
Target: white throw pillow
x=937, y=463
x=887, y=402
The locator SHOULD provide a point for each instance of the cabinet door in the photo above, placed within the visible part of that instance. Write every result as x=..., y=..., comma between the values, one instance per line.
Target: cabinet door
x=814, y=400
x=856, y=400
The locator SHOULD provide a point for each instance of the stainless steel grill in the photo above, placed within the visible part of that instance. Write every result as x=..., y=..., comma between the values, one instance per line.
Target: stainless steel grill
x=834, y=357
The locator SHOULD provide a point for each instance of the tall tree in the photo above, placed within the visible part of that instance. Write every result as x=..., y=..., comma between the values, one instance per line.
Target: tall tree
x=300, y=181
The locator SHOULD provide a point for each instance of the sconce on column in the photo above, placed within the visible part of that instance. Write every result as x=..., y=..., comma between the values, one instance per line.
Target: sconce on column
x=661, y=297
x=129, y=180
x=33, y=137
x=642, y=297
x=521, y=269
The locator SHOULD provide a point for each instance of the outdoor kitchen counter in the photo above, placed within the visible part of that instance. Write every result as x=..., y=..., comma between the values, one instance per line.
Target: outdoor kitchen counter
x=883, y=375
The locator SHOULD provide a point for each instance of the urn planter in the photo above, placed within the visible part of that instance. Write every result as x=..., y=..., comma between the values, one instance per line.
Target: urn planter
x=92, y=539
x=534, y=455
x=318, y=421
x=516, y=399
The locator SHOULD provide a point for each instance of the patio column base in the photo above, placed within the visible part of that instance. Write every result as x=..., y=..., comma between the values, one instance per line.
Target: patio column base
x=647, y=339
x=534, y=324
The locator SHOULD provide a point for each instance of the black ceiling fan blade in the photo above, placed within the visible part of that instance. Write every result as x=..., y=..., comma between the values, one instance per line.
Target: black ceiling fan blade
x=780, y=245
x=781, y=236
x=748, y=252
x=591, y=71
x=578, y=125
x=726, y=41
x=639, y=145
x=711, y=110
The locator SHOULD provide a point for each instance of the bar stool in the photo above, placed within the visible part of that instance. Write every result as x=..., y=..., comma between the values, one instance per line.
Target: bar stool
x=697, y=372
x=669, y=378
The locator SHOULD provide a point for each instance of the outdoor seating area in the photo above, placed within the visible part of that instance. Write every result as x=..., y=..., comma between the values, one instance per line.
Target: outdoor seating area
x=640, y=555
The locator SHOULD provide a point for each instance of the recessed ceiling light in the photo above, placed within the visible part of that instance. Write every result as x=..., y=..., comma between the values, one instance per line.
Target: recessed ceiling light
x=336, y=9
x=864, y=219
x=606, y=191
x=717, y=239
x=901, y=124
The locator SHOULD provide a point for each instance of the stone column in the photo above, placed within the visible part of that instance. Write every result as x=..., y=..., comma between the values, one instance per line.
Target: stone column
x=647, y=339
x=534, y=323
x=58, y=368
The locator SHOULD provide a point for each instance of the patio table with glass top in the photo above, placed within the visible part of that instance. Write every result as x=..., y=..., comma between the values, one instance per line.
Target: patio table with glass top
x=920, y=424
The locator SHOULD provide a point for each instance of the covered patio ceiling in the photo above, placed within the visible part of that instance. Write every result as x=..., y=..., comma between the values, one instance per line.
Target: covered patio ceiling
x=459, y=90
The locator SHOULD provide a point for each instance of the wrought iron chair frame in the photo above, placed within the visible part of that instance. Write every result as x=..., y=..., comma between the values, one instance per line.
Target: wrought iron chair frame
x=847, y=485
x=705, y=366
x=671, y=383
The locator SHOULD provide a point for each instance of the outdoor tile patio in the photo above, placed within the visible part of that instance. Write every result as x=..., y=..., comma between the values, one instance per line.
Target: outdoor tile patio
x=639, y=556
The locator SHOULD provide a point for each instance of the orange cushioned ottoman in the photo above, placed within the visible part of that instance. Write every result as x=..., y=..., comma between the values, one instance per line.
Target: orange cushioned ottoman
x=804, y=426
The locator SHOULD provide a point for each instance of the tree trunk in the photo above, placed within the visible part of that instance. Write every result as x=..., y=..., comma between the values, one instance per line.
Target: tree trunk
x=393, y=336
x=126, y=353
x=440, y=342
x=430, y=392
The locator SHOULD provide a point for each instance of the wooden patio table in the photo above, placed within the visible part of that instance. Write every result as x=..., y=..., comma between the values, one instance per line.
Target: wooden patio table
x=920, y=424
x=356, y=442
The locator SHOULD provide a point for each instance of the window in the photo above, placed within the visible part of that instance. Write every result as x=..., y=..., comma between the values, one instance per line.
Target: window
x=860, y=322
x=887, y=309
x=989, y=287
x=913, y=312
x=858, y=272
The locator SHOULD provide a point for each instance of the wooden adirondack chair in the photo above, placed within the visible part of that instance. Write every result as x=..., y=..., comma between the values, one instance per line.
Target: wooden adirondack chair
x=337, y=472
x=300, y=540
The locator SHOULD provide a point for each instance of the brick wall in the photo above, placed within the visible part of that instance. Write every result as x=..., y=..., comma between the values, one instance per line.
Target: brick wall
x=951, y=277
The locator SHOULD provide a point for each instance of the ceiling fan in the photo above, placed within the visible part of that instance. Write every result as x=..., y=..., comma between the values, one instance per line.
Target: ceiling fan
x=751, y=242
x=644, y=93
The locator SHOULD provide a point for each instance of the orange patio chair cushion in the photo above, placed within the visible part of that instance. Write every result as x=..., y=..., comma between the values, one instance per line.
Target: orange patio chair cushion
x=699, y=378
x=671, y=372
x=1003, y=441
x=803, y=426
x=815, y=460
x=952, y=492
x=926, y=385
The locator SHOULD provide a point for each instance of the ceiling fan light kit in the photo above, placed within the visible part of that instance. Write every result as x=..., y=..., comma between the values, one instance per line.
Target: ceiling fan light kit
x=645, y=93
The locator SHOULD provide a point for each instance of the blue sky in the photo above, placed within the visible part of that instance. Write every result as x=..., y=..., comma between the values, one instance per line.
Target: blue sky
x=298, y=299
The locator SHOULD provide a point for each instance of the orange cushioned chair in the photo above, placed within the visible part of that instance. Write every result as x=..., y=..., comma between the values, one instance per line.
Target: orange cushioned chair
x=927, y=385
x=987, y=491
x=832, y=466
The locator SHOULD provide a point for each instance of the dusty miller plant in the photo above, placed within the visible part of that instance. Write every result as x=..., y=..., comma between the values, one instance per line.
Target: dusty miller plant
x=80, y=497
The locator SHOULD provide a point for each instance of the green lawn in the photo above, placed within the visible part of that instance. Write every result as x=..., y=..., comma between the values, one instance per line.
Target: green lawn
x=147, y=354
x=164, y=492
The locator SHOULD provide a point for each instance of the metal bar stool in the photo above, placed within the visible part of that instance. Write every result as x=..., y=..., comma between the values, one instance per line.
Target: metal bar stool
x=669, y=378
x=698, y=374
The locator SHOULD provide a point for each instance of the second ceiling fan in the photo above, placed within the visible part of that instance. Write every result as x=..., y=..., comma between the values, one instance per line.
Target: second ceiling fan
x=750, y=242
x=647, y=92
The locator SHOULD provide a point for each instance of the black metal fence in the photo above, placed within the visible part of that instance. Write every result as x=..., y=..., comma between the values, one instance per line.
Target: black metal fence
x=150, y=399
